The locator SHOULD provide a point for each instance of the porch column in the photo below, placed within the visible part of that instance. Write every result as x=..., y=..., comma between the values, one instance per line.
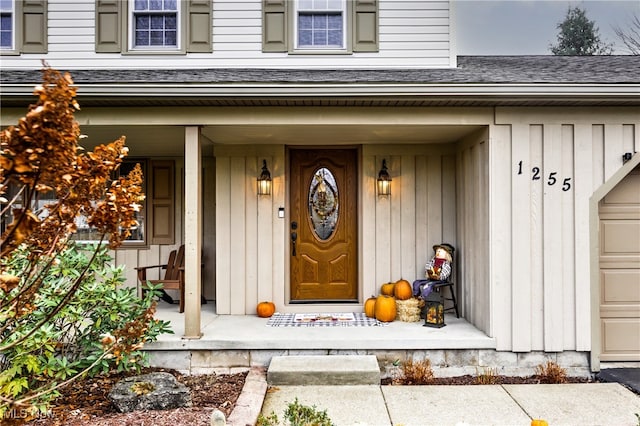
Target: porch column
x=192, y=231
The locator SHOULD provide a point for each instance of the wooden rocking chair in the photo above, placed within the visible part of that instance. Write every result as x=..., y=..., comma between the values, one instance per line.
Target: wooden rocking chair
x=173, y=277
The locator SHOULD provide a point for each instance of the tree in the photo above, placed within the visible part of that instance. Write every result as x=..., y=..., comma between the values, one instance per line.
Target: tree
x=579, y=36
x=63, y=310
x=630, y=37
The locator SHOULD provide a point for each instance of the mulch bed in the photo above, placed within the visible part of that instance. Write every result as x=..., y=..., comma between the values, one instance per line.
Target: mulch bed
x=85, y=402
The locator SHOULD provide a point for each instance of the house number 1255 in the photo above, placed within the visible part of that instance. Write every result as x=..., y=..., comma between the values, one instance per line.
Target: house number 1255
x=551, y=180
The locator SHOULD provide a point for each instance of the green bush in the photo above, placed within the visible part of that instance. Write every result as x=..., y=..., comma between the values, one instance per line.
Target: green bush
x=297, y=414
x=103, y=326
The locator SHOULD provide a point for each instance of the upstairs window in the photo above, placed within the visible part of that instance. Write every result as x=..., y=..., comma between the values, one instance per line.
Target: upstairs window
x=7, y=24
x=320, y=24
x=155, y=24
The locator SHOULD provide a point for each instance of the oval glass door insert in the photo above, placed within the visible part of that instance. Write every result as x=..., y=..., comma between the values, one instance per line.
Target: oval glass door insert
x=323, y=203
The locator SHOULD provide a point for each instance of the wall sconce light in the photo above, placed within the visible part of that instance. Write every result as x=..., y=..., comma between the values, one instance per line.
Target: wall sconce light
x=384, y=180
x=264, y=180
x=626, y=157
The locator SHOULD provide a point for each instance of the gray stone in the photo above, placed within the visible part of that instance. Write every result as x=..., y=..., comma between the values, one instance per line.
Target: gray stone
x=154, y=391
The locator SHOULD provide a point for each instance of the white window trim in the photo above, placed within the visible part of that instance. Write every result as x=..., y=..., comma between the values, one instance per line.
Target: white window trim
x=131, y=47
x=296, y=43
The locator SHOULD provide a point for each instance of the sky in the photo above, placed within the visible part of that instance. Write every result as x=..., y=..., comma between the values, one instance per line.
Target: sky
x=528, y=27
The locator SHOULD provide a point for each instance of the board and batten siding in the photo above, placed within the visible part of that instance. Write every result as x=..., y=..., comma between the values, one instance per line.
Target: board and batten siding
x=396, y=233
x=539, y=235
x=412, y=33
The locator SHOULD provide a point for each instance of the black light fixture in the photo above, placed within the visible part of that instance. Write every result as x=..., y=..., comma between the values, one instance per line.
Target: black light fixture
x=384, y=180
x=264, y=180
x=626, y=157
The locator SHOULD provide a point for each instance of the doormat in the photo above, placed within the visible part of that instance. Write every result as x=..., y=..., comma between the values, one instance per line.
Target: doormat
x=348, y=319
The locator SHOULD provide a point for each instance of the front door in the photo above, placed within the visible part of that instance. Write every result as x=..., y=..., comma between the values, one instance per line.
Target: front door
x=323, y=225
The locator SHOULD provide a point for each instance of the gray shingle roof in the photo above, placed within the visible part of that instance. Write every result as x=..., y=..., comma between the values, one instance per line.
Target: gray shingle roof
x=470, y=70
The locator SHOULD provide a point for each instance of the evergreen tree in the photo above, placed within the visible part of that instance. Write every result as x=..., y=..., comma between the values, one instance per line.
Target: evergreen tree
x=579, y=36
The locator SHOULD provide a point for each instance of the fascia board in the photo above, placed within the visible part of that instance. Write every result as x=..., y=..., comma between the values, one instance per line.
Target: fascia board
x=135, y=90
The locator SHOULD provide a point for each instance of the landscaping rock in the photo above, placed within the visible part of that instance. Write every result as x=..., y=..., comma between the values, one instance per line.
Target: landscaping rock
x=154, y=391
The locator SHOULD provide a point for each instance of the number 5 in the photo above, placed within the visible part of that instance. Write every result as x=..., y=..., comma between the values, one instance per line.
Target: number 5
x=566, y=185
x=552, y=179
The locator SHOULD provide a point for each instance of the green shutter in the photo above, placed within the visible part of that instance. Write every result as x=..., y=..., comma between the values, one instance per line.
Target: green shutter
x=365, y=26
x=162, y=202
x=274, y=25
x=199, y=26
x=34, y=26
x=108, y=26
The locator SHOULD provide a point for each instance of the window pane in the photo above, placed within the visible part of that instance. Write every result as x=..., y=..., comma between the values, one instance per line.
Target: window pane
x=323, y=203
x=6, y=5
x=170, y=5
x=170, y=38
x=5, y=39
x=305, y=22
x=305, y=4
x=142, y=38
x=141, y=5
x=171, y=22
x=335, y=38
x=157, y=22
x=320, y=4
x=334, y=22
x=334, y=5
x=155, y=4
x=304, y=38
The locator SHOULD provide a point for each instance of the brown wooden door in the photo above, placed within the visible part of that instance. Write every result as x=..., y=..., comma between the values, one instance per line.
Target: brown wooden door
x=323, y=225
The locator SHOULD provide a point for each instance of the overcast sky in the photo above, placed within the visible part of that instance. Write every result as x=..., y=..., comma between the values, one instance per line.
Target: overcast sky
x=528, y=27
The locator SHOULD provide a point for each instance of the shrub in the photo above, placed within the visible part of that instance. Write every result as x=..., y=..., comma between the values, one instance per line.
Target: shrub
x=416, y=372
x=488, y=376
x=298, y=415
x=550, y=372
x=103, y=326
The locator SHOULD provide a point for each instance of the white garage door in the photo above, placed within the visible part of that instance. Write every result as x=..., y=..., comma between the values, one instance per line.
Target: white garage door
x=620, y=271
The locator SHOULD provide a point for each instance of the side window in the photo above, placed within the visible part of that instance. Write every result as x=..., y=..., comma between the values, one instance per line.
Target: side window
x=7, y=24
x=319, y=25
x=154, y=24
x=23, y=26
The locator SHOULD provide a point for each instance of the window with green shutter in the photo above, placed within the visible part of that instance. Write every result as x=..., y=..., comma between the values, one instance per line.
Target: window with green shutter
x=23, y=26
x=319, y=26
x=155, y=26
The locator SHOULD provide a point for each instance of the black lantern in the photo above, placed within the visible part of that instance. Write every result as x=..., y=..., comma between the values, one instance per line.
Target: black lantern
x=264, y=180
x=434, y=312
x=384, y=180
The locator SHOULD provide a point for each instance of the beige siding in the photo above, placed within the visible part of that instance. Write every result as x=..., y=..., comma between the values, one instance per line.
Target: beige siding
x=549, y=227
x=413, y=33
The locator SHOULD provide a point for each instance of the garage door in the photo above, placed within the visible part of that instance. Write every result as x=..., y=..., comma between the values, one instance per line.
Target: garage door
x=620, y=270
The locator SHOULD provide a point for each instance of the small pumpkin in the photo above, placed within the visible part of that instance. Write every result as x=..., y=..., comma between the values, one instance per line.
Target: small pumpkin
x=385, y=309
x=539, y=422
x=370, y=307
x=265, y=309
x=387, y=289
x=402, y=289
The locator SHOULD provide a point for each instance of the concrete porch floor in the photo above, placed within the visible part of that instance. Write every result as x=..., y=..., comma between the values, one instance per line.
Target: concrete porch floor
x=224, y=332
x=234, y=343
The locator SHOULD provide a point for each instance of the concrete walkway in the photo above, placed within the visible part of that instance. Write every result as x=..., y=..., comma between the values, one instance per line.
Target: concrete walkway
x=568, y=404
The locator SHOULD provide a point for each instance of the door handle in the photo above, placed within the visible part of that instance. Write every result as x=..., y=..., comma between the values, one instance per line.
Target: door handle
x=294, y=237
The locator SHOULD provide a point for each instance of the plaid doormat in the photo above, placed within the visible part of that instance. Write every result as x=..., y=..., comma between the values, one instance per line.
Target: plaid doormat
x=348, y=319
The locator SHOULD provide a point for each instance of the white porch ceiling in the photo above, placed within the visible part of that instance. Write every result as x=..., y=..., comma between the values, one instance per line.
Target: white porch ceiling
x=169, y=140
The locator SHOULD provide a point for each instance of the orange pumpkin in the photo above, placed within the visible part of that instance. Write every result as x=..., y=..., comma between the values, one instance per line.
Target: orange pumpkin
x=387, y=289
x=370, y=307
x=402, y=289
x=385, y=309
x=265, y=309
x=539, y=422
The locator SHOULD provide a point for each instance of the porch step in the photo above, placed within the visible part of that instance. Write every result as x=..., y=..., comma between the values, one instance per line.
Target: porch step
x=300, y=370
